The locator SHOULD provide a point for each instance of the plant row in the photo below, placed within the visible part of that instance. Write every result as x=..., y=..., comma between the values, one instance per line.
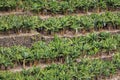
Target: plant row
x=87, y=69
x=18, y=23
x=57, y=6
x=59, y=48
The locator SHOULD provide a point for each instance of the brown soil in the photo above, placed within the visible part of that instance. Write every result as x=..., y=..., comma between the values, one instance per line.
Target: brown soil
x=19, y=39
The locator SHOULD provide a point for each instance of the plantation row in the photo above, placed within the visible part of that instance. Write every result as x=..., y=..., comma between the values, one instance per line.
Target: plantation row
x=59, y=48
x=18, y=23
x=87, y=69
x=59, y=6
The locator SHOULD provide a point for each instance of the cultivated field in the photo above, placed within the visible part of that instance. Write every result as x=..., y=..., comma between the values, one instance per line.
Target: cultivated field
x=59, y=39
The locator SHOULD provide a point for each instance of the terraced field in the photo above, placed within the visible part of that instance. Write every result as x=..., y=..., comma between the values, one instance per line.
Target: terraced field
x=60, y=40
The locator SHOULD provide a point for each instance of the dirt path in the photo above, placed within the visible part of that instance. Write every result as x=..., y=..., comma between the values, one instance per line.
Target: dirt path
x=27, y=39
x=43, y=16
x=79, y=34
x=59, y=35
x=47, y=16
x=19, y=35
